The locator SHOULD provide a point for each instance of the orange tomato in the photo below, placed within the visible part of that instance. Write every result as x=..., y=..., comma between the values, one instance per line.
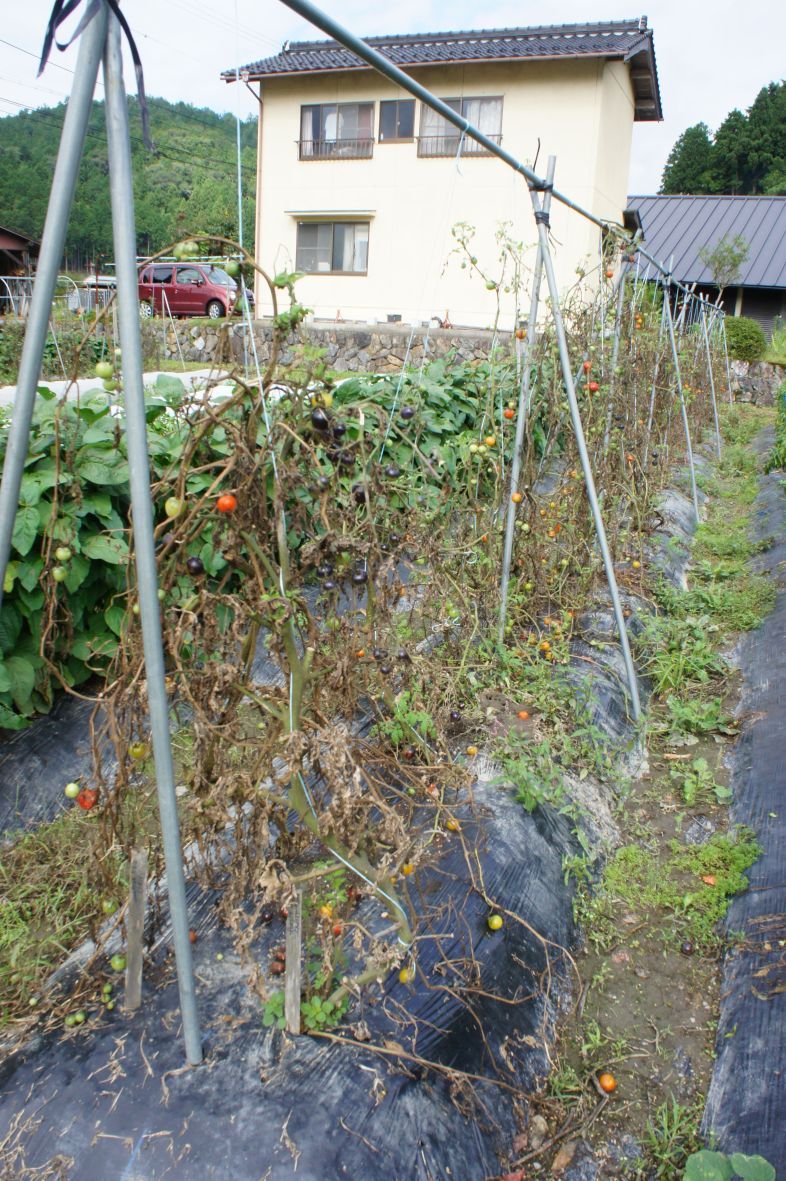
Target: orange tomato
x=607, y=1082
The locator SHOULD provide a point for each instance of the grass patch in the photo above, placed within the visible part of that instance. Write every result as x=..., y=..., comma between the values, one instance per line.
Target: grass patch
x=667, y=890
x=49, y=903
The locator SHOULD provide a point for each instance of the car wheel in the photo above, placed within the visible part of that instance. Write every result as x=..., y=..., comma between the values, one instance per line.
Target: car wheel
x=215, y=309
x=145, y=309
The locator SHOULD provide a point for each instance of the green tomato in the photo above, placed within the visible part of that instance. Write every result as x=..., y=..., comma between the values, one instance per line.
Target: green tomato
x=110, y=1005
x=72, y=790
x=109, y=906
x=137, y=750
x=161, y=594
x=118, y=962
x=118, y=354
x=80, y=1017
x=111, y=384
x=173, y=507
x=104, y=369
x=59, y=573
x=63, y=553
x=232, y=267
x=8, y=583
x=70, y=1020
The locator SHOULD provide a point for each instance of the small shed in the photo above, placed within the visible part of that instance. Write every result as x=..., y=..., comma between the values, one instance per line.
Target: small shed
x=18, y=253
x=682, y=227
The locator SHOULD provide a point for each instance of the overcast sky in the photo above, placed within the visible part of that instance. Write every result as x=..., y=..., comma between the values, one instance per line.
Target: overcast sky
x=711, y=56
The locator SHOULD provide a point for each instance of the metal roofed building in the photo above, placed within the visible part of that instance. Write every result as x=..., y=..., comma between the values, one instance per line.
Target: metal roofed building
x=682, y=226
x=358, y=184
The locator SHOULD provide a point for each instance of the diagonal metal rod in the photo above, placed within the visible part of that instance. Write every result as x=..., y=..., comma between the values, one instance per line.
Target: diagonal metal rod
x=726, y=355
x=52, y=244
x=124, y=232
x=711, y=377
x=541, y=220
x=683, y=408
x=522, y=415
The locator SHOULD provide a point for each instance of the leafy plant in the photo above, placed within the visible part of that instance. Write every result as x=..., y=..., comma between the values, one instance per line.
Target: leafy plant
x=706, y=1165
x=695, y=716
x=697, y=781
x=746, y=338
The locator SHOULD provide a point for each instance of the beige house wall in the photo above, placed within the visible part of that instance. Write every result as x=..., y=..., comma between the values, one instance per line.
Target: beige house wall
x=581, y=111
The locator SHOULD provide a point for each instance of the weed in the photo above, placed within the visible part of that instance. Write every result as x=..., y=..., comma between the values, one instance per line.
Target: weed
x=697, y=782
x=685, y=889
x=682, y=652
x=697, y=717
x=671, y=1136
x=718, y=1166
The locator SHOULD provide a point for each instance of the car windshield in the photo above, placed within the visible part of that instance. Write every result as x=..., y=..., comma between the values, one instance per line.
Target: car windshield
x=216, y=275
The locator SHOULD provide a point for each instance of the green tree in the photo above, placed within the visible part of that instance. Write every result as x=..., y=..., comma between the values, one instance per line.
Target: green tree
x=724, y=259
x=688, y=162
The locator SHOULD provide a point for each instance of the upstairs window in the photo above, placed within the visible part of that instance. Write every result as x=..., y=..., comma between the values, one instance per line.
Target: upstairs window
x=332, y=247
x=330, y=131
x=396, y=120
x=438, y=137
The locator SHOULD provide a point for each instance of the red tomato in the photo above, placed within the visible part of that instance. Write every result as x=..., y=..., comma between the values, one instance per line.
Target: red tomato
x=226, y=503
x=87, y=798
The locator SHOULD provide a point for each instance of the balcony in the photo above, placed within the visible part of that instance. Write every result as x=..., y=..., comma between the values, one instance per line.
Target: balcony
x=448, y=145
x=335, y=149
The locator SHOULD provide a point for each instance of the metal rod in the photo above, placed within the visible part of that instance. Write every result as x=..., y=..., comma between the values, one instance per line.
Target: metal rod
x=712, y=379
x=522, y=415
x=615, y=352
x=726, y=355
x=52, y=244
x=124, y=233
x=541, y=220
x=653, y=391
x=683, y=407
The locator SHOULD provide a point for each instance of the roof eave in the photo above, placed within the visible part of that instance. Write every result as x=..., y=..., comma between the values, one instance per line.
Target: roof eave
x=647, y=105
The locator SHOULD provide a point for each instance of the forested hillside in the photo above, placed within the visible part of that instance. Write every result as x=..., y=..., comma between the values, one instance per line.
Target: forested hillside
x=188, y=183
x=747, y=154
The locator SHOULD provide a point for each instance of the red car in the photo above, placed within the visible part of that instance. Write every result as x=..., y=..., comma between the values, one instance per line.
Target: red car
x=187, y=289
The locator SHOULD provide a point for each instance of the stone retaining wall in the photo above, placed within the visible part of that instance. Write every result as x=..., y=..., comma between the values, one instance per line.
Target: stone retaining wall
x=380, y=348
x=756, y=381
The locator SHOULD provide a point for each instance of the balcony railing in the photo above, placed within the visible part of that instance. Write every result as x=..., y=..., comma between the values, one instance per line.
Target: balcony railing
x=448, y=145
x=335, y=149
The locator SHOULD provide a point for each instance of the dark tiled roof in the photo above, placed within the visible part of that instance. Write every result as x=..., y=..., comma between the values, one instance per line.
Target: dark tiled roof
x=630, y=41
x=682, y=226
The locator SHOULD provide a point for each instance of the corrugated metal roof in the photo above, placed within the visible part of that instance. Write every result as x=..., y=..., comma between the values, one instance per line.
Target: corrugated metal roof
x=682, y=225
x=628, y=40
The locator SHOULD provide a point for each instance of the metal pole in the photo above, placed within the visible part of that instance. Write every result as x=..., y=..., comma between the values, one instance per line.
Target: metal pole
x=712, y=379
x=683, y=407
x=522, y=415
x=541, y=219
x=654, y=386
x=726, y=355
x=124, y=232
x=615, y=352
x=53, y=241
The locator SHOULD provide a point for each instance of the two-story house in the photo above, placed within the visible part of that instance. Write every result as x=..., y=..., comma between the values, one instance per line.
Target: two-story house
x=359, y=185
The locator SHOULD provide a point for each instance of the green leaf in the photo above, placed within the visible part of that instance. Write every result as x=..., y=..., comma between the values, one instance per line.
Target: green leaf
x=25, y=529
x=10, y=627
x=78, y=570
x=116, y=619
x=101, y=431
x=22, y=677
x=103, y=547
x=5, y=679
x=170, y=386
x=708, y=1166
x=99, y=503
x=29, y=572
x=752, y=1168
x=11, y=721
x=103, y=473
x=90, y=648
